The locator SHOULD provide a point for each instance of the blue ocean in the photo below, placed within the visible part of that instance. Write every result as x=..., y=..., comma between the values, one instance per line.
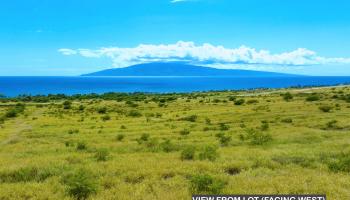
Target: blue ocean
x=14, y=86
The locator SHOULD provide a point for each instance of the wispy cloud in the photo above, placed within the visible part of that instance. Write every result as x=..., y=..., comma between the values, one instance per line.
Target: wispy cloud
x=205, y=54
x=178, y=1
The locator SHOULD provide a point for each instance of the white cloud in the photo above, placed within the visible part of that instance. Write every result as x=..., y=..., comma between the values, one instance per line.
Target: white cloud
x=205, y=54
x=178, y=1
x=67, y=52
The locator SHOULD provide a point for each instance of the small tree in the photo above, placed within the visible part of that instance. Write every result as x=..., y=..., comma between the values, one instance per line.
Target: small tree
x=80, y=184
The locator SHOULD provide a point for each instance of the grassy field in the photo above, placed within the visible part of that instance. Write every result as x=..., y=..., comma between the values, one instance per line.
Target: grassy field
x=291, y=141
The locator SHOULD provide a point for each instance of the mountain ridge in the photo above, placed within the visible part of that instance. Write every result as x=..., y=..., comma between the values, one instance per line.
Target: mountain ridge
x=182, y=69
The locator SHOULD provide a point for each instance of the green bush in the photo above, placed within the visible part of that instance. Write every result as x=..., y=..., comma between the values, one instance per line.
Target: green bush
x=185, y=132
x=332, y=124
x=134, y=113
x=81, y=146
x=81, y=108
x=224, y=139
x=72, y=131
x=120, y=137
x=11, y=113
x=287, y=96
x=252, y=101
x=188, y=153
x=206, y=184
x=152, y=145
x=102, y=110
x=287, y=120
x=256, y=137
x=167, y=146
x=143, y=138
x=80, y=184
x=15, y=111
x=341, y=163
x=233, y=170
x=191, y=118
x=239, y=102
x=106, y=117
x=224, y=127
x=313, y=97
x=208, y=153
x=325, y=108
x=232, y=98
x=264, y=126
x=102, y=155
x=67, y=105
x=207, y=121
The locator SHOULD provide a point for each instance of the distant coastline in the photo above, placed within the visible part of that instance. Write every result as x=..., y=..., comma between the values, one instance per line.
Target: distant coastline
x=33, y=86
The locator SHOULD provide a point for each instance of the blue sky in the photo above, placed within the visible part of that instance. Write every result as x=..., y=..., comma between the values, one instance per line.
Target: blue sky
x=65, y=37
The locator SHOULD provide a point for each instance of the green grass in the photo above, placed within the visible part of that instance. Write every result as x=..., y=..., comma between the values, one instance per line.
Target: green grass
x=147, y=146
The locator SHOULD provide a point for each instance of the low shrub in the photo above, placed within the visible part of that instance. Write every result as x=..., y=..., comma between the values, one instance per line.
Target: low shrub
x=81, y=108
x=233, y=170
x=287, y=96
x=287, y=120
x=11, y=113
x=134, y=113
x=232, y=98
x=224, y=127
x=81, y=146
x=332, y=124
x=102, y=155
x=102, y=110
x=67, y=105
x=15, y=111
x=256, y=137
x=224, y=139
x=206, y=184
x=185, y=132
x=341, y=163
x=325, y=108
x=264, y=126
x=80, y=184
x=188, y=153
x=191, y=118
x=208, y=153
x=207, y=121
x=120, y=137
x=143, y=138
x=167, y=146
x=239, y=102
x=106, y=117
x=313, y=97
x=73, y=131
x=252, y=101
